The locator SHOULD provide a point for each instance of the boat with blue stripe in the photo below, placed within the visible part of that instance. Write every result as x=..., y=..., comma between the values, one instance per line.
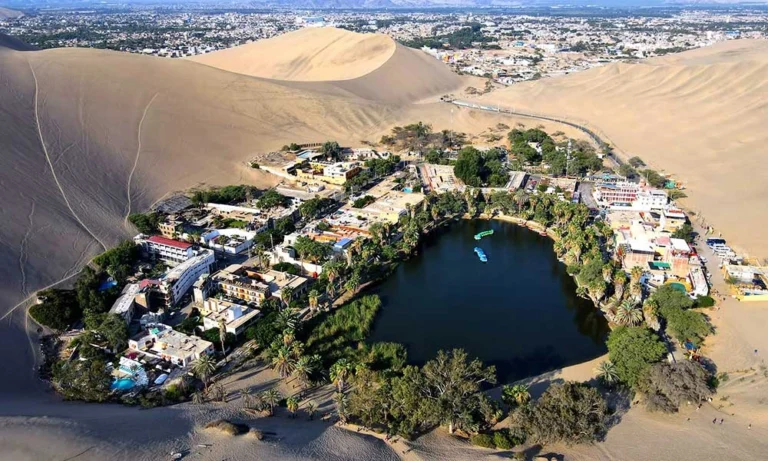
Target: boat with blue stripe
x=481, y=254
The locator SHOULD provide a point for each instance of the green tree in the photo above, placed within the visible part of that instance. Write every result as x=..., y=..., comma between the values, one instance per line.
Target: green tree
x=629, y=313
x=292, y=404
x=632, y=350
x=58, y=310
x=283, y=362
x=86, y=380
x=340, y=373
x=567, y=412
x=452, y=384
x=272, y=199
x=331, y=150
x=114, y=330
x=203, y=368
x=271, y=397
x=146, y=223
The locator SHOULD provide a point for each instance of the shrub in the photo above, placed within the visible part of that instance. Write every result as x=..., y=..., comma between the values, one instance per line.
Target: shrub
x=289, y=268
x=362, y=202
x=146, y=223
x=338, y=333
x=483, y=440
x=502, y=440
x=705, y=301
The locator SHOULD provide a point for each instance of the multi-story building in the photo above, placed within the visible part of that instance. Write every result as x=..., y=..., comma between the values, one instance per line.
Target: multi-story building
x=163, y=342
x=241, y=283
x=176, y=282
x=170, y=251
x=170, y=228
x=627, y=195
x=249, y=285
x=234, y=317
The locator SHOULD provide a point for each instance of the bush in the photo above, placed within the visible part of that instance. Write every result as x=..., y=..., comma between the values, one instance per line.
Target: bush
x=502, y=440
x=362, y=202
x=483, y=440
x=146, y=223
x=705, y=301
x=289, y=268
x=338, y=334
x=632, y=350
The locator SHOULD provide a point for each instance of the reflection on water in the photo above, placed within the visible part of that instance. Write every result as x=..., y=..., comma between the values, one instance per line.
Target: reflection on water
x=518, y=311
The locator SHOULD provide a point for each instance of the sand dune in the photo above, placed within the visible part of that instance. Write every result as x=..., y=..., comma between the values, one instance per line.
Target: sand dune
x=94, y=135
x=310, y=54
x=7, y=13
x=700, y=115
x=368, y=66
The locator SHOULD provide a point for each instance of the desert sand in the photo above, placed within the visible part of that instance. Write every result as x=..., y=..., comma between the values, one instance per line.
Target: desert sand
x=700, y=115
x=89, y=136
x=309, y=55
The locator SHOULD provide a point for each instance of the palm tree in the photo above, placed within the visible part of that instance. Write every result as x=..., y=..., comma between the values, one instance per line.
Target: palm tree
x=311, y=408
x=341, y=401
x=606, y=372
x=221, y=393
x=340, y=372
x=247, y=395
x=302, y=369
x=198, y=398
x=288, y=337
x=203, y=368
x=313, y=297
x=519, y=394
x=271, y=397
x=619, y=281
x=292, y=403
x=649, y=314
x=629, y=314
x=223, y=336
x=286, y=320
x=286, y=294
x=282, y=362
x=353, y=282
x=635, y=274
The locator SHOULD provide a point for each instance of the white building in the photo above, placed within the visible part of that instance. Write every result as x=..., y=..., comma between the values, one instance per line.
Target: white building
x=236, y=318
x=231, y=241
x=180, y=279
x=125, y=305
x=650, y=199
x=171, y=251
x=163, y=342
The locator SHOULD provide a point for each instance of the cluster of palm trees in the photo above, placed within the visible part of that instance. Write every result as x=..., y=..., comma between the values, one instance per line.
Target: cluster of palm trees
x=288, y=359
x=264, y=401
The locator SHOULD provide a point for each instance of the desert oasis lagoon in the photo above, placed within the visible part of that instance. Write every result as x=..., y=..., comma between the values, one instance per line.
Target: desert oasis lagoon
x=519, y=311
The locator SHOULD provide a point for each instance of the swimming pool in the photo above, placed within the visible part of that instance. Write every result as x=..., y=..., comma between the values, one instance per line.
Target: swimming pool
x=122, y=384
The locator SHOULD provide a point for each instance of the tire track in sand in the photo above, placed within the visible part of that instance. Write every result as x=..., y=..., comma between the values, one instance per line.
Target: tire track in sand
x=50, y=164
x=23, y=255
x=136, y=160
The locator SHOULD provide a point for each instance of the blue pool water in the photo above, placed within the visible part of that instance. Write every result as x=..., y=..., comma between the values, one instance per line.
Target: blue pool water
x=122, y=384
x=107, y=285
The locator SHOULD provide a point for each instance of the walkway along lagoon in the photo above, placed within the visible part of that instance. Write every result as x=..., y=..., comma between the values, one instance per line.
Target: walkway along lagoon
x=518, y=312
